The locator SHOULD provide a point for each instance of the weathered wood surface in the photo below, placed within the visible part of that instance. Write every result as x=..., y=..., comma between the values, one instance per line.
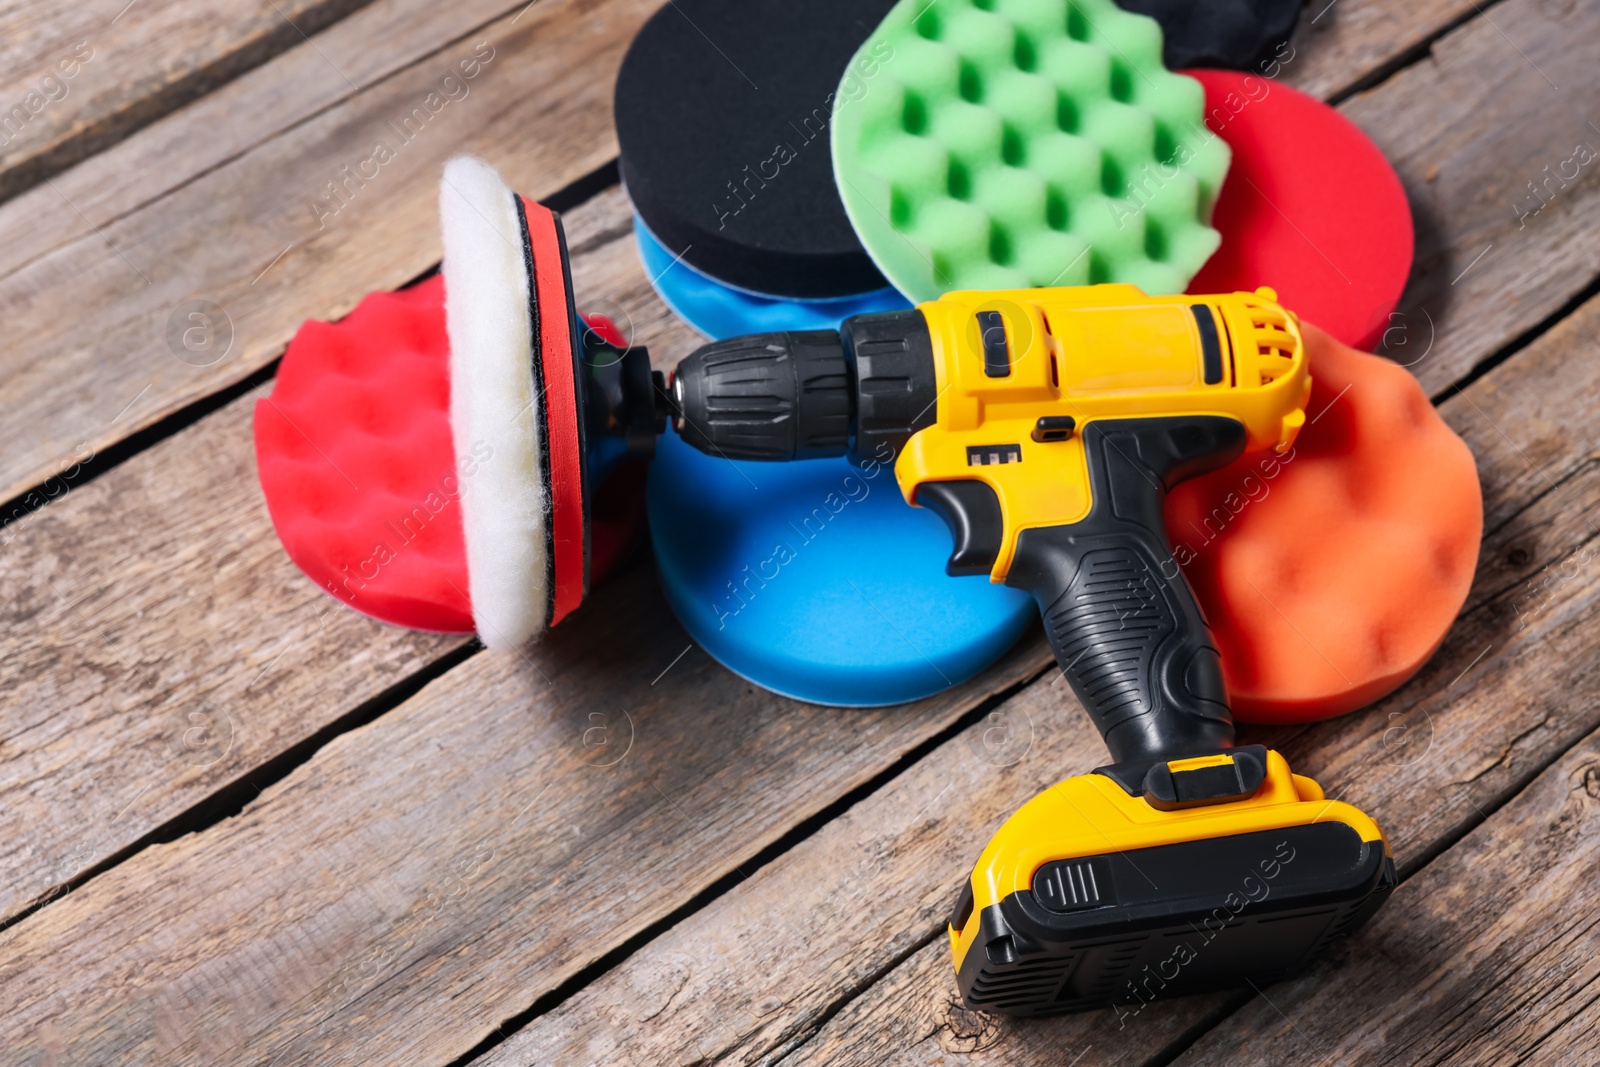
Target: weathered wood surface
x=883, y=876
x=96, y=327
x=1352, y=39
x=1428, y=764
x=157, y=644
x=474, y=848
x=392, y=899
x=374, y=42
x=756, y=973
x=156, y=602
x=1472, y=130
x=1338, y=45
x=86, y=74
x=540, y=110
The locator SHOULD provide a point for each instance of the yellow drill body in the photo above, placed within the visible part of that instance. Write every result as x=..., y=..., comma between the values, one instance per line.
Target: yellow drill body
x=1093, y=352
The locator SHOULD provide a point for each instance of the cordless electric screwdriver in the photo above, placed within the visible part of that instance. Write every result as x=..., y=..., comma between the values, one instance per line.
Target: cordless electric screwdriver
x=1045, y=426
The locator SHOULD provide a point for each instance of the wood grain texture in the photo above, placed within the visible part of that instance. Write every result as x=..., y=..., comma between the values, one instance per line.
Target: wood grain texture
x=354, y=54
x=425, y=877
x=1468, y=129
x=883, y=876
x=1488, y=956
x=1338, y=44
x=370, y=47
x=80, y=76
x=384, y=36
x=157, y=643
x=752, y=977
x=290, y=229
x=1394, y=768
x=346, y=915
x=155, y=604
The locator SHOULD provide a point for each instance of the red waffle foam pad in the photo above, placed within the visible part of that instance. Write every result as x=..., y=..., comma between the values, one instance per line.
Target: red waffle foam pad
x=1310, y=207
x=1331, y=574
x=357, y=462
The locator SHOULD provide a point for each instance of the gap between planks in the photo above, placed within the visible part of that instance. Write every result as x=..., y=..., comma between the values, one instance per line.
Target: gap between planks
x=1361, y=33
x=580, y=191
x=81, y=86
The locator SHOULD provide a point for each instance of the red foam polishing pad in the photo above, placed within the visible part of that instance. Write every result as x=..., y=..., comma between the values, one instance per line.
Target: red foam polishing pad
x=423, y=459
x=357, y=463
x=1330, y=574
x=1310, y=207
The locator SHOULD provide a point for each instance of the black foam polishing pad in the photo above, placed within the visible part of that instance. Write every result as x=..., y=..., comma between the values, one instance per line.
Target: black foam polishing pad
x=1234, y=34
x=722, y=113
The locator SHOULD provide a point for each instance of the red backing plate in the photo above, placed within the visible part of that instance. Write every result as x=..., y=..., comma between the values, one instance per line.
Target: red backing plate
x=560, y=407
x=1310, y=207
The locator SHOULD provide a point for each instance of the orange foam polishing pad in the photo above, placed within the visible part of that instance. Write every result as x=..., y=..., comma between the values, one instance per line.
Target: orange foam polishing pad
x=1330, y=574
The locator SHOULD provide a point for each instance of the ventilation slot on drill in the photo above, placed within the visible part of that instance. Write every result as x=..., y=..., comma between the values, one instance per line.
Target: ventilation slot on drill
x=1023, y=985
x=1274, y=345
x=991, y=455
x=1113, y=968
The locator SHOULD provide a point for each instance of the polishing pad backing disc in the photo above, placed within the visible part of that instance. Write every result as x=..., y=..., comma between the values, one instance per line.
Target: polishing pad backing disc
x=722, y=116
x=719, y=310
x=836, y=594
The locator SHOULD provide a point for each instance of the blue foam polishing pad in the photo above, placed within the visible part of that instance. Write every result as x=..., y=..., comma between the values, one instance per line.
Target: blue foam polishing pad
x=816, y=580
x=719, y=310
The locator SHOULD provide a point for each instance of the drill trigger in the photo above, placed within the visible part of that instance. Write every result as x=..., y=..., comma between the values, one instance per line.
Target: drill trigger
x=971, y=510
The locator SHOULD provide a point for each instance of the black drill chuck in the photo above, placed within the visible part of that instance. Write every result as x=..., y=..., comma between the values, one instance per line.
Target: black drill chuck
x=861, y=391
x=772, y=396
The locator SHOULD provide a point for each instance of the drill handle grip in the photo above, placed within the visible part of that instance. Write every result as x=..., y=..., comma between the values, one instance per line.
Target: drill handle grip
x=1120, y=616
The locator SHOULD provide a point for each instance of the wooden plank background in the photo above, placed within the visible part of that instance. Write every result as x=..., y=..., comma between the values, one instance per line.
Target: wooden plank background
x=86, y=75
x=539, y=108
x=355, y=871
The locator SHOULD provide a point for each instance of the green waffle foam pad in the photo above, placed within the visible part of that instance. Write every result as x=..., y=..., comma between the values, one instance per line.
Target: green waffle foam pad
x=1001, y=144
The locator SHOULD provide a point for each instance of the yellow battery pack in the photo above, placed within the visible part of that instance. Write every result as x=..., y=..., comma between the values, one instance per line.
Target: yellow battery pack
x=1105, y=890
